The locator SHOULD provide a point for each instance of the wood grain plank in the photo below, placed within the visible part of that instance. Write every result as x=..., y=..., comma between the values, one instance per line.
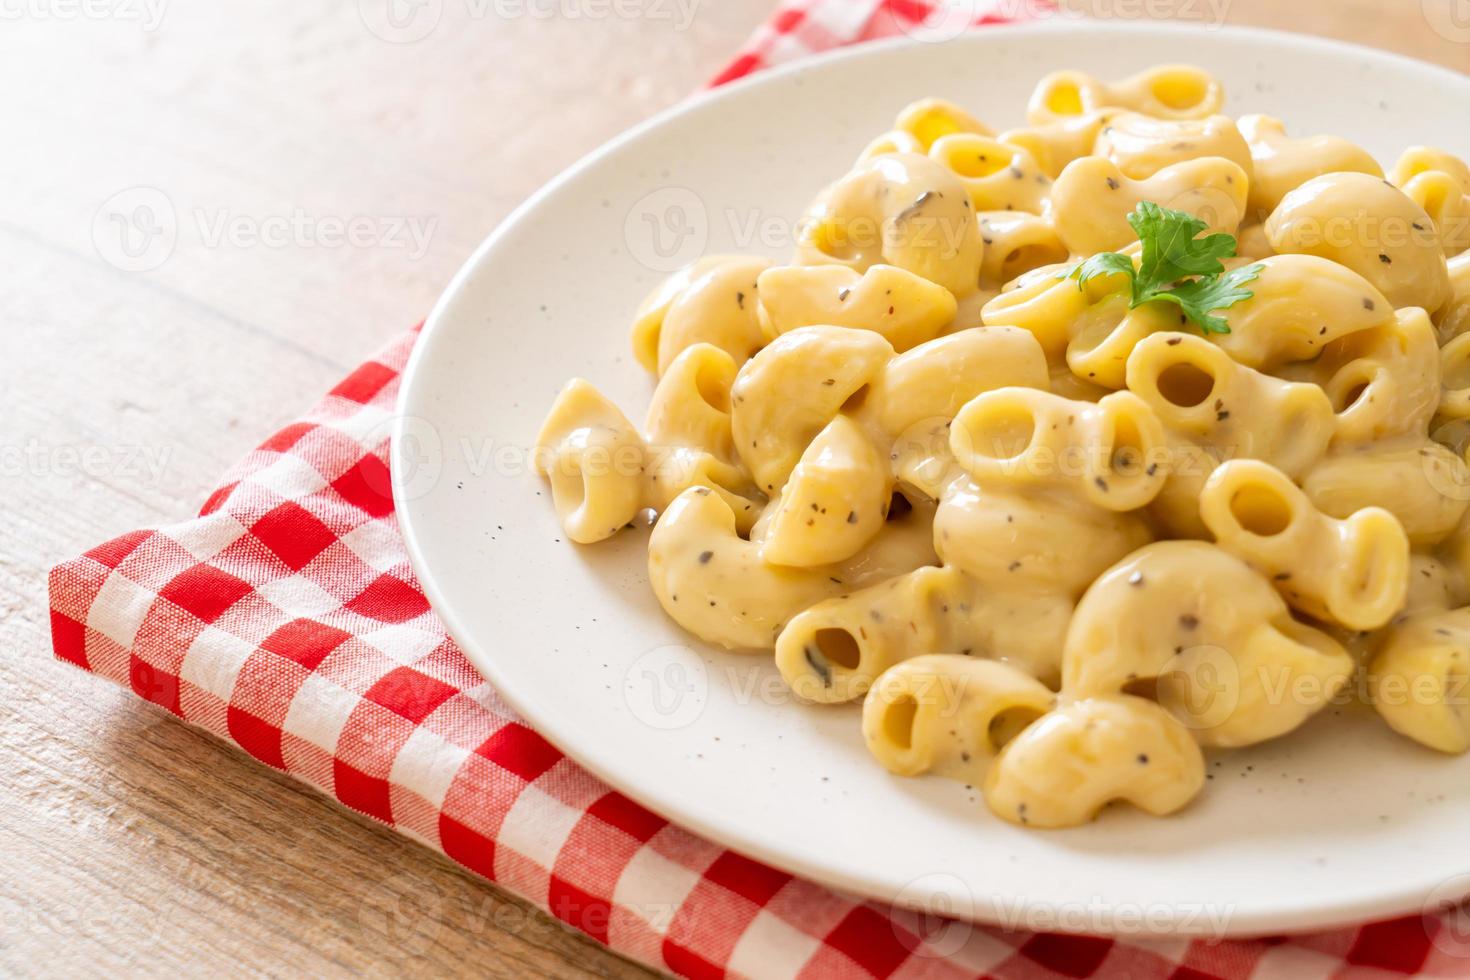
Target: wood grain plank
x=135, y=845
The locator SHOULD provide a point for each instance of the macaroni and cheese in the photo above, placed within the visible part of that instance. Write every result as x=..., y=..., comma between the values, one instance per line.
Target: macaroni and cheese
x=1071, y=451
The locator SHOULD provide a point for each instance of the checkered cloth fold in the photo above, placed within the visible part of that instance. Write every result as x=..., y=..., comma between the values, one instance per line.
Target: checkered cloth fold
x=285, y=619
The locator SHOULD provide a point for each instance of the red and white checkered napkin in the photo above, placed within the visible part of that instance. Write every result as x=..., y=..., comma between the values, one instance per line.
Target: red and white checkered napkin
x=285, y=619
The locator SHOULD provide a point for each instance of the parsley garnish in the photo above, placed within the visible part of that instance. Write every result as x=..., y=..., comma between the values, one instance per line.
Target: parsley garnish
x=1176, y=266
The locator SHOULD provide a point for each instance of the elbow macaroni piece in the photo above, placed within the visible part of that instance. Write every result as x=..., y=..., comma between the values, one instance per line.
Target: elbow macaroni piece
x=1104, y=337
x=934, y=381
x=788, y=393
x=1282, y=164
x=1198, y=391
x=1092, y=199
x=670, y=470
x=1300, y=304
x=999, y=176
x=1055, y=144
x=1447, y=202
x=1142, y=145
x=1423, y=159
x=1047, y=306
x=914, y=402
x=948, y=713
x=1370, y=226
x=1433, y=585
x=1383, y=383
x=1166, y=92
x=834, y=650
x=1448, y=566
x=1454, y=371
x=1354, y=572
x=905, y=309
x=1423, y=485
x=716, y=585
x=1111, y=453
x=603, y=473
x=930, y=120
x=893, y=141
x=1454, y=319
x=1252, y=243
x=798, y=384
x=1218, y=641
x=1014, y=562
x=1016, y=243
x=1034, y=541
x=1066, y=766
x=926, y=469
x=1213, y=408
x=713, y=300
x=595, y=459
x=1420, y=680
x=835, y=502
x=691, y=404
x=899, y=209
x=1438, y=182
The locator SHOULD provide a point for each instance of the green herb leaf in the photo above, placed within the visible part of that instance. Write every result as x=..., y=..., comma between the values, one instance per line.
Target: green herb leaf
x=1171, y=249
x=1199, y=298
x=1105, y=264
x=1176, y=266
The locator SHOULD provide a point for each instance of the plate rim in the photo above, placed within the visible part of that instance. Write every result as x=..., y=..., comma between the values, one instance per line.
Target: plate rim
x=1264, y=918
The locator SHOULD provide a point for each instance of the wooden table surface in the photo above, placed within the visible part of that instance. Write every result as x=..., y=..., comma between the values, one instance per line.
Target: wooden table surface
x=131, y=843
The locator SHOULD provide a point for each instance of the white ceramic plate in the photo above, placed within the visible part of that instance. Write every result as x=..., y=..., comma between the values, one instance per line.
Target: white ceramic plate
x=1341, y=821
